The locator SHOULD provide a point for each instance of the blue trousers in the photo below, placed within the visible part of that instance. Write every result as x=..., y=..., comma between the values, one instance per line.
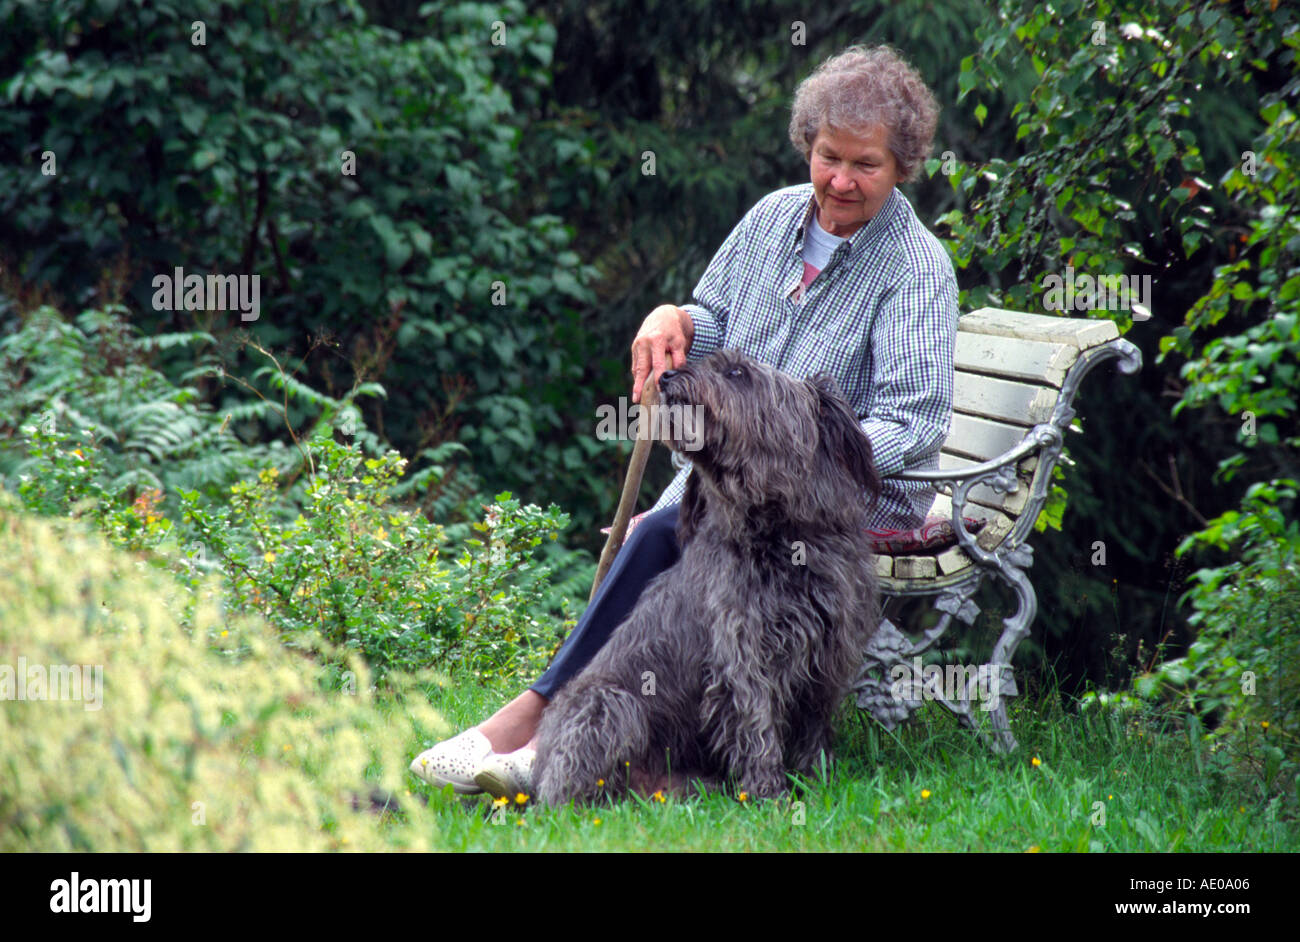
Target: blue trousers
x=651, y=549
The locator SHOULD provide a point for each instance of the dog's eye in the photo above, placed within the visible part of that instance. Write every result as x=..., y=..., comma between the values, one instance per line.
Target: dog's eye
x=735, y=372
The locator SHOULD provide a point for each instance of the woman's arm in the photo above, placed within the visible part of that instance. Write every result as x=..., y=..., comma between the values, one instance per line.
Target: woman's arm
x=912, y=349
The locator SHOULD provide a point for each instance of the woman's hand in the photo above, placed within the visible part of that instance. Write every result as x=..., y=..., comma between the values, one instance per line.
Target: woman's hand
x=662, y=342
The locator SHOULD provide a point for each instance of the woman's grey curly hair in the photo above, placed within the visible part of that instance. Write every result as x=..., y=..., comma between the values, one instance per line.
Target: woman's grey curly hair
x=862, y=86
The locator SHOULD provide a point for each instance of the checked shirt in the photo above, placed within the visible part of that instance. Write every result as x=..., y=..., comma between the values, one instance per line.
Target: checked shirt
x=881, y=318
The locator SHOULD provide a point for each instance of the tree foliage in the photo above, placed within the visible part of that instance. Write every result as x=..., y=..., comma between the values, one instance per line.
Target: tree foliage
x=375, y=182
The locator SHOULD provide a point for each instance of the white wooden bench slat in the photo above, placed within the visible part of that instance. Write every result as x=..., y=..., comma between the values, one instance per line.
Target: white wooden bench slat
x=1032, y=360
x=915, y=567
x=981, y=439
x=1079, y=333
x=942, y=507
x=1004, y=399
x=994, y=532
x=951, y=560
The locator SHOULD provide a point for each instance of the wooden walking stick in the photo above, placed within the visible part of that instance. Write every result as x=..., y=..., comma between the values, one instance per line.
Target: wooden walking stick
x=631, y=483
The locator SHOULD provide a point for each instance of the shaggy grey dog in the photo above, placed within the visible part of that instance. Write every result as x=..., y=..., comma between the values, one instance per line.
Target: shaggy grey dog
x=734, y=660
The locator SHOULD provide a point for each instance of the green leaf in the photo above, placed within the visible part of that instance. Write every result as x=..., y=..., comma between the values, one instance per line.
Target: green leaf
x=396, y=249
x=203, y=159
x=193, y=119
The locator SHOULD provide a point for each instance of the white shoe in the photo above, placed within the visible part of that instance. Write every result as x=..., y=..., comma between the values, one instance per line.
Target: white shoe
x=454, y=762
x=506, y=775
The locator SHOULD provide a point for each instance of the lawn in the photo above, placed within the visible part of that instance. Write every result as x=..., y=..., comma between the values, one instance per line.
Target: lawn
x=1096, y=785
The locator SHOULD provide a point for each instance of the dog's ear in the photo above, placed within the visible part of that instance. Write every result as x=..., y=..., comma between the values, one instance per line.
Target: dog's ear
x=692, y=512
x=841, y=439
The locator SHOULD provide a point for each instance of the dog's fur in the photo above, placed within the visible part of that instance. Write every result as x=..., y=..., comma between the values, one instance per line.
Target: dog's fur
x=734, y=660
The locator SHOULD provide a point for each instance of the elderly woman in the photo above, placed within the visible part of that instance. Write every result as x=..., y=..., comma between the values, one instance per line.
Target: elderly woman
x=834, y=275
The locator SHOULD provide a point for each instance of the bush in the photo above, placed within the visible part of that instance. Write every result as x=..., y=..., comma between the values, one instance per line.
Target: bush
x=215, y=738
x=314, y=536
x=370, y=576
x=1240, y=340
x=92, y=379
x=1242, y=674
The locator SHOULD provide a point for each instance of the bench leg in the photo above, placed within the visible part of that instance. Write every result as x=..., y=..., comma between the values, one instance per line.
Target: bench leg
x=1014, y=630
x=891, y=704
x=890, y=687
x=893, y=685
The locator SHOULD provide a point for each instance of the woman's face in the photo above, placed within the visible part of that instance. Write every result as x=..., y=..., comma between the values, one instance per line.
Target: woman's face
x=852, y=176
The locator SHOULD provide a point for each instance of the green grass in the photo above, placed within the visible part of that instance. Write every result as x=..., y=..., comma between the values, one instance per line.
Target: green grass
x=1153, y=796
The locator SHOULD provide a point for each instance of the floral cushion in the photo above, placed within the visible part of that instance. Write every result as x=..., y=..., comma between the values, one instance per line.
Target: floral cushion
x=935, y=534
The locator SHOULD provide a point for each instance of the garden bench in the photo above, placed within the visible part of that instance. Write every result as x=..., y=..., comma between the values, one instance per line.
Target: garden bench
x=1017, y=376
